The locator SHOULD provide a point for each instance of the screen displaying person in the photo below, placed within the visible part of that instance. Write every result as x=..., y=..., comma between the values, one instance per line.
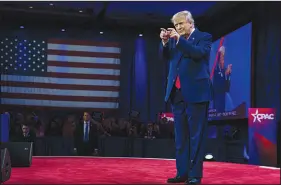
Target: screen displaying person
x=221, y=81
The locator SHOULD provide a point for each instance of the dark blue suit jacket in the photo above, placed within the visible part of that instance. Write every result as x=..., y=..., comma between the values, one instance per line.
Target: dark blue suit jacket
x=190, y=60
x=221, y=82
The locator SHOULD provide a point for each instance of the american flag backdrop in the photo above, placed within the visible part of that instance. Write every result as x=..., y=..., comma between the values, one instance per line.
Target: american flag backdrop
x=60, y=73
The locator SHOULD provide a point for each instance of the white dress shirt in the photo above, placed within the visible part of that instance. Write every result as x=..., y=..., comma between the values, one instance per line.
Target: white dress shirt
x=85, y=124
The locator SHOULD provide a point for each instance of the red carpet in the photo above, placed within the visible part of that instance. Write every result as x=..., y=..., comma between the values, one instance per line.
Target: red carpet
x=76, y=170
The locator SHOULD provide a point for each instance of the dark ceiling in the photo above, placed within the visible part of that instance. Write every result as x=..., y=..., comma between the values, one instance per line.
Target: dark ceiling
x=112, y=13
x=137, y=8
x=138, y=12
x=122, y=10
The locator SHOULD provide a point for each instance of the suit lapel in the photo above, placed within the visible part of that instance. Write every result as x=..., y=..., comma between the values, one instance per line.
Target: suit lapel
x=193, y=39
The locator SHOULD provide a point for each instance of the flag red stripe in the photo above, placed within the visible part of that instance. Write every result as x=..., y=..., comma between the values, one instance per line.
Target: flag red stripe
x=60, y=86
x=216, y=59
x=83, y=76
x=9, y=107
x=83, y=54
x=58, y=98
x=84, y=43
x=84, y=65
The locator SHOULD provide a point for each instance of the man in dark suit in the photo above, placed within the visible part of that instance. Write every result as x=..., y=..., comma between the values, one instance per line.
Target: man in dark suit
x=221, y=81
x=189, y=90
x=86, y=136
x=26, y=135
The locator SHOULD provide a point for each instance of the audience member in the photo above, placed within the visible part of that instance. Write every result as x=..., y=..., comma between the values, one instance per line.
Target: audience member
x=70, y=134
x=86, y=136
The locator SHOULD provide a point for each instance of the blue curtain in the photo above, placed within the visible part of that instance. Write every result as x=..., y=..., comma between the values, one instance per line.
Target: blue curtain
x=267, y=59
x=143, y=78
x=157, y=68
x=140, y=80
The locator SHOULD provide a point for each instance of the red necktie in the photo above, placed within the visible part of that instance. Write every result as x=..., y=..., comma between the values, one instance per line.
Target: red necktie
x=178, y=84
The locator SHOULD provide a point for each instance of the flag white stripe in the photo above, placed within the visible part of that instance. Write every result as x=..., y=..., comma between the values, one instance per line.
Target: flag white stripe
x=59, y=92
x=97, y=49
x=37, y=79
x=92, y=60
x=52, y=103
x=76, y=70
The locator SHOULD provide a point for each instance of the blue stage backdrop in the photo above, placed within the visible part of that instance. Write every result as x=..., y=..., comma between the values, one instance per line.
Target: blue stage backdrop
x=140, y=79
x=230, y=66
x=4, y=127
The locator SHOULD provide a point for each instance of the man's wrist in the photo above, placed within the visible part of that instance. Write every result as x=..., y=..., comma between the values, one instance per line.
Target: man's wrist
x=177, y=39
x=164, y=42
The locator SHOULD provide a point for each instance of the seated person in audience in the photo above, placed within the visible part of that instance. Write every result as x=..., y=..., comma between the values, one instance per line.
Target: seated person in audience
x=156, y=129
x=107, y=124
x=164, y=127
x=26, y=135
x=16, y=120
x=35, y=124
x=111, y=126
x=133, y=131
x=101, y=130
x=53, y=128
x=40, y=130
x=150, y=133
x=124, y=127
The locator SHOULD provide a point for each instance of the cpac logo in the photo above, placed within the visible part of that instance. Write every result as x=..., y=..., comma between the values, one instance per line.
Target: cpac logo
x=169, y=118
x=259, y=117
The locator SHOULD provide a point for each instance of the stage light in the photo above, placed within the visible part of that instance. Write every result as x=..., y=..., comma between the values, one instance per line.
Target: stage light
x=30, y=7
x=80, y=11
x=21, y=27
x=140, y=35
x=51, y=4
x=101, y=32
x=63, y=30
x=209, y=157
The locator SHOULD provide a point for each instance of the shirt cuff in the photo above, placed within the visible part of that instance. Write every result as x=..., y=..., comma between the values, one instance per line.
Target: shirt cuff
x=165, y=43
x=178, y=41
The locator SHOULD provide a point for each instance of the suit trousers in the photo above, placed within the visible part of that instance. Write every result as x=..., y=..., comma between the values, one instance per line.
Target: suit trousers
x=85, y=149
x=190, y=124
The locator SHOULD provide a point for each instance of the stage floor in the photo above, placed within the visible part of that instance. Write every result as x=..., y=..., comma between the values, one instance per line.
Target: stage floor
x=102, y=170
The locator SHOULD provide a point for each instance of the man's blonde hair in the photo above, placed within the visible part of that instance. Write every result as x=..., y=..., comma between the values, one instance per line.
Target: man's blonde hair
x=185, y=14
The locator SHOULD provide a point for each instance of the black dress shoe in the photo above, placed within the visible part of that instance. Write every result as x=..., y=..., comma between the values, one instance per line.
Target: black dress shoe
x=177, y=179
x=193, y=181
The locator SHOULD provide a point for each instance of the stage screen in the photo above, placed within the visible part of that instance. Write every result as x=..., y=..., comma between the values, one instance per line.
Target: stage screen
x=230, y=68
